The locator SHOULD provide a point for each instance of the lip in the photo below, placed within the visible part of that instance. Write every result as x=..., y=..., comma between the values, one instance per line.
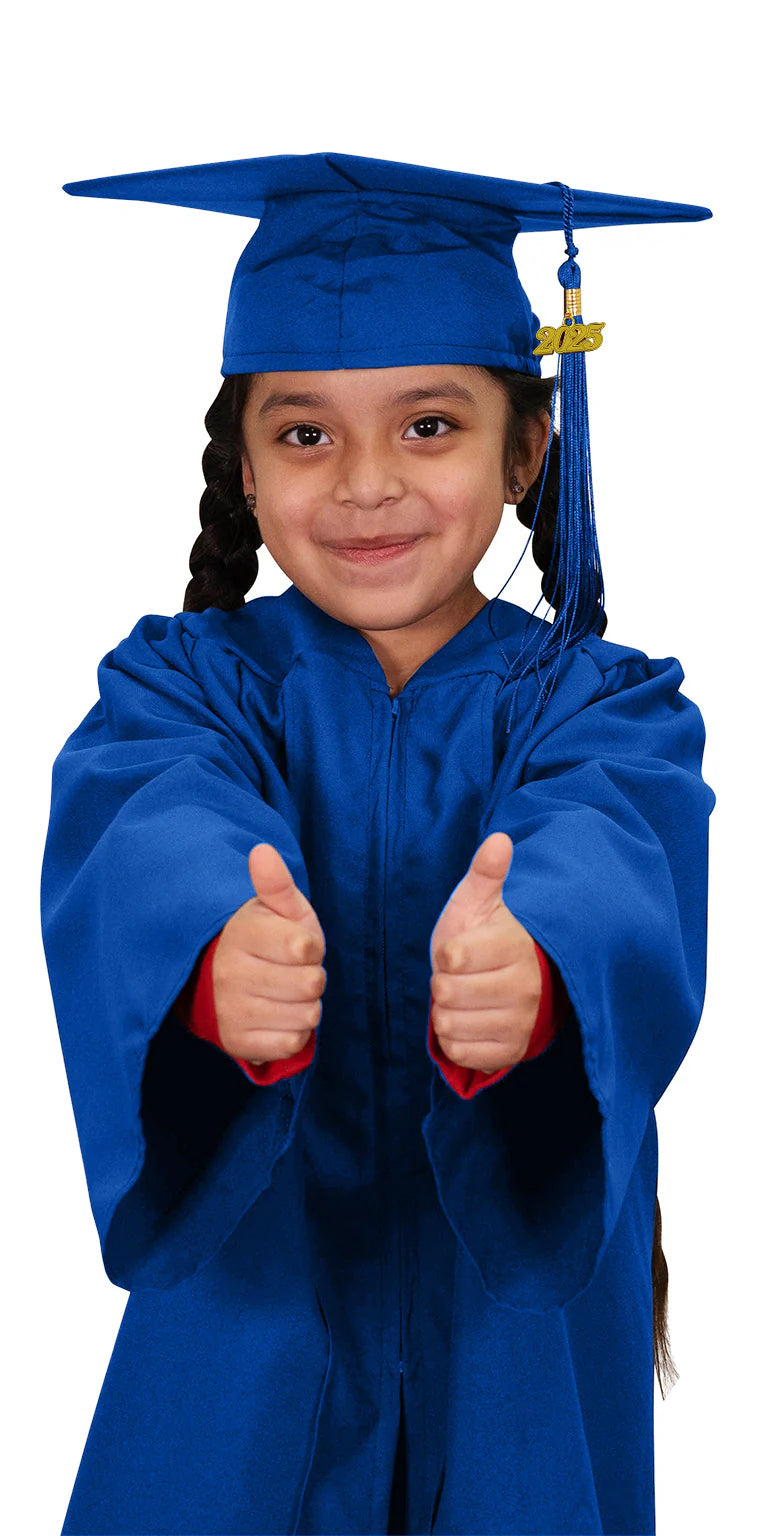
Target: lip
x=379, y=541
x=373, y=554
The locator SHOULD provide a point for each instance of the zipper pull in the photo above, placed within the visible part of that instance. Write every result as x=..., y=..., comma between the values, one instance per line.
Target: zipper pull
x=396, y=704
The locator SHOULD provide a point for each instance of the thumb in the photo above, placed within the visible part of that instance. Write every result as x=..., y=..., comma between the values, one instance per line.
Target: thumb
x=275, y=886
x=494, y=857
x=481, y=887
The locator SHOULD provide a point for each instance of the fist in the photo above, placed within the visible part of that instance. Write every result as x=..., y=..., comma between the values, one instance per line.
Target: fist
x=486, y=982
x=267, y=973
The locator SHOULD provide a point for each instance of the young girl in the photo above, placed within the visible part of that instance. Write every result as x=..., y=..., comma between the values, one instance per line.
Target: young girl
x=375, y=912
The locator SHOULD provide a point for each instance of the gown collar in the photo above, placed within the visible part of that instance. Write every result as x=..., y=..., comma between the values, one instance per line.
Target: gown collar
x=475, y=647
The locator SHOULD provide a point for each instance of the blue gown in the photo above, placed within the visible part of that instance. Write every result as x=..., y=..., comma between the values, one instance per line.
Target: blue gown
x=302, y=1256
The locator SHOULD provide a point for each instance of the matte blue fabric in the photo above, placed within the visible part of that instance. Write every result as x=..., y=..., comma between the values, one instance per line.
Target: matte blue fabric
x=297, y=1252
x=366, y=263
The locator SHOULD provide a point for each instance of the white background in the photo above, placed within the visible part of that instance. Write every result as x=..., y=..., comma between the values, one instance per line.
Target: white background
x=113, y=315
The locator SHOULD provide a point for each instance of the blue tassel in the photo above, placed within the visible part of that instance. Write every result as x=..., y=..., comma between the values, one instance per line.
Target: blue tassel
x=574, y=575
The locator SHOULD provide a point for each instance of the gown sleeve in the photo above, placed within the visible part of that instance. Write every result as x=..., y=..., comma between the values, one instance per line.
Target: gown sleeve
x=609, y=819
x=156, y=802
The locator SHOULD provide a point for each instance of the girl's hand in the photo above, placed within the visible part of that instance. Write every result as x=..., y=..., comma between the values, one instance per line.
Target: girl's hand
x=267, y=975
x=486, y=982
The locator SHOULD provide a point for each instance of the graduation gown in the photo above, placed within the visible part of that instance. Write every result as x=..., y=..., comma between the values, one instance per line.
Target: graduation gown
x=300, y=1255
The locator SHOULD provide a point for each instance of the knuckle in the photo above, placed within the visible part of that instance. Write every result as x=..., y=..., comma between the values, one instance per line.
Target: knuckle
x=284, y=1044
x=315, y=981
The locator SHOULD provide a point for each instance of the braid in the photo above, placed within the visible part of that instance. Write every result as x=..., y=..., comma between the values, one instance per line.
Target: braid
x=223, y=560
x=527, y=396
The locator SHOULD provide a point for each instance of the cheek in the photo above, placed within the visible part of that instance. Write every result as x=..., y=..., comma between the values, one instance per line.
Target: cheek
x=467, y=498
x=282, y=518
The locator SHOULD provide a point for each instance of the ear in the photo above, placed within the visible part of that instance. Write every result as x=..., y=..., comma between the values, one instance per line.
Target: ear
x=248, y=485
x=537, y=437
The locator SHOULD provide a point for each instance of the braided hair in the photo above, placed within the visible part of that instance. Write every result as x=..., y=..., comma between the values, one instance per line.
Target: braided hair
x=223, y=561
x=224, y=565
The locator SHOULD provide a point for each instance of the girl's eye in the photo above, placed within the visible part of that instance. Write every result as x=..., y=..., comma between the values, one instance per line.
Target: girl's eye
x=304, y=426
x=430, y=420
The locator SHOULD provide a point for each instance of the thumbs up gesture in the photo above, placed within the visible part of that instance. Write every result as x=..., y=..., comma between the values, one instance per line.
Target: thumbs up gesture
x=267, y=973
x=486, y=983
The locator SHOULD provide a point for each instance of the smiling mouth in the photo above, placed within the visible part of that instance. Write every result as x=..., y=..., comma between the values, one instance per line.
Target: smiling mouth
x=381, y=541
x=373, y=554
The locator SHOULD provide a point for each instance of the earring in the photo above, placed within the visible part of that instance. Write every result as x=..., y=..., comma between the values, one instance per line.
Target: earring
x=516, y=486
x=250, y=501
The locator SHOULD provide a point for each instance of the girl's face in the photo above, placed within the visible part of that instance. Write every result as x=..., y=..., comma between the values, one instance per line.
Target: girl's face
x=355, y=454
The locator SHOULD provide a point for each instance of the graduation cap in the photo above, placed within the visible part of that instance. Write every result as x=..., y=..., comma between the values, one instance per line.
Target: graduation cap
x=366, y=263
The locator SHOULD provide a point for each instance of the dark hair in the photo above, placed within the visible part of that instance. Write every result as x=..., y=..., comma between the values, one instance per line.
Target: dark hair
x=224, y=565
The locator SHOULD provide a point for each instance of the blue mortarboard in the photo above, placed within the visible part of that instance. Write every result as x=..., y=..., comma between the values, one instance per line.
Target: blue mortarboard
x=365, y=263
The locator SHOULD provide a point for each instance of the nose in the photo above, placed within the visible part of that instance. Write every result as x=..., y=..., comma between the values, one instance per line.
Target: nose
x=368, y=476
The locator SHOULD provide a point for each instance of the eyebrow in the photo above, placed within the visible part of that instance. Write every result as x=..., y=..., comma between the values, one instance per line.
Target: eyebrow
x=276, y=401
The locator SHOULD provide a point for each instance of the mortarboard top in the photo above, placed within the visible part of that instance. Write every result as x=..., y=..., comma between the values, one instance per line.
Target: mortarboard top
x=365, y=263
